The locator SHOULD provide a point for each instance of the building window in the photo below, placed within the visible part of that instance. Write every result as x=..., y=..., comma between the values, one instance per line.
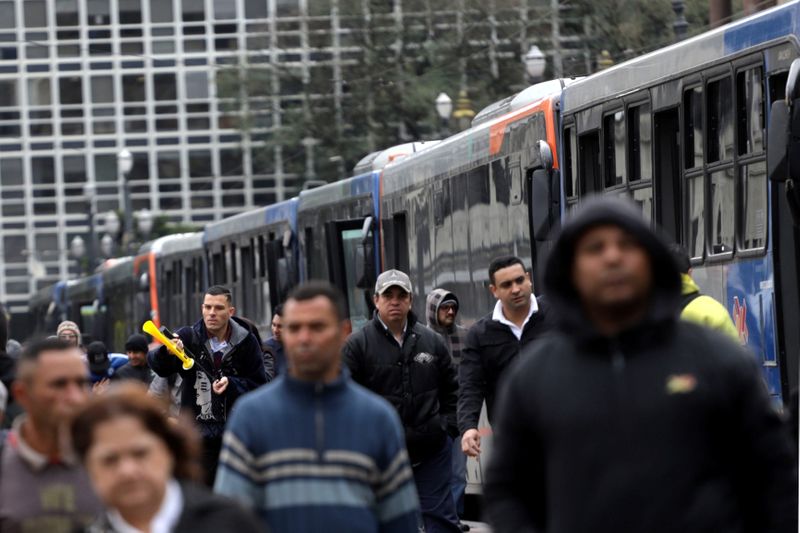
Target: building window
x=130, y=11
x=35, y=13
x=67, y=12
x=74, y=169
x=224, y=9
x=196, y=85
x=193, y=10
x=38, y=91
x=133, y=88
x=200, y=164
x=42, y=171
x=102, y=89
x=71, y=90
x=230, y=162
x=160, y=11
x=8, y=93
x=98, y=12
x=164, y=87
x=11, y=172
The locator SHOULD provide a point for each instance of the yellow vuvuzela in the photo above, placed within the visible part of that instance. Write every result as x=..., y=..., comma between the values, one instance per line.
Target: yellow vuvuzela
x=151, y=328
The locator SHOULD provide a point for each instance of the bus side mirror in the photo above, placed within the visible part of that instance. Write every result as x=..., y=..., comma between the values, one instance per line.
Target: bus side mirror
x=544, y=202
x=783, y=148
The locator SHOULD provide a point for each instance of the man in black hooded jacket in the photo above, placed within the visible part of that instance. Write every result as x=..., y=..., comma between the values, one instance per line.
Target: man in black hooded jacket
x=627, y=419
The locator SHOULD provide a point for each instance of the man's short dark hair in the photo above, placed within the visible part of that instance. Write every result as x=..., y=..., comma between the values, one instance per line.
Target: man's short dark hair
x=681, y=257
x=504, y=261
x=278, y=311
x=313, y=289
x=50, y=344
x=219, y=290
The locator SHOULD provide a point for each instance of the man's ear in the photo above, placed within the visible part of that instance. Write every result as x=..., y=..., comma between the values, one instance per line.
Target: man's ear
x=233, y=310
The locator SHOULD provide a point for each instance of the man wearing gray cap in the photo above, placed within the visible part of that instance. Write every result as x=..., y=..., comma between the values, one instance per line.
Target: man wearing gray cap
x=400, y=359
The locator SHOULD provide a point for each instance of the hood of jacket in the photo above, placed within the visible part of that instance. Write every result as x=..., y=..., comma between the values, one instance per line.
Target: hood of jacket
x=602, y=210
x=688, y=285
x=434, y=300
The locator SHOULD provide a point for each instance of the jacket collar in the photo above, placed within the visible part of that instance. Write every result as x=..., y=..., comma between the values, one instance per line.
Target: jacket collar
x=336, y=386
x=411, y=321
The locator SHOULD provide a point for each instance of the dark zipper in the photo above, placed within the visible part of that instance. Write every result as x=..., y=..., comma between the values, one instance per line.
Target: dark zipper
x=618, y=367
x=319, y=420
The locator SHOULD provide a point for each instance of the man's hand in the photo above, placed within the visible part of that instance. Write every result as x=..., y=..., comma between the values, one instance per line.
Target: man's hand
x=100, y=387
x=471, y=443
x=178, y=342
x=220, y=385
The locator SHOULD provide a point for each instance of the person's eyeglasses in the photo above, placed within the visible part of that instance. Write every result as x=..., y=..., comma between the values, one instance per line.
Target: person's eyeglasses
x=67, y=336
x=449, y=308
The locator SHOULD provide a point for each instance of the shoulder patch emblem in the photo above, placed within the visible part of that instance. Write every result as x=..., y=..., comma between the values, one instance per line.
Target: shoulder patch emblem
x=681, y=383
x=423, y=358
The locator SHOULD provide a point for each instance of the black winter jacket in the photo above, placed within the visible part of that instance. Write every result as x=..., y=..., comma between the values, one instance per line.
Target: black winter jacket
x=203, y=512
x=419, y=380
x=490, y=348
x=243, y=365
x=666, y=427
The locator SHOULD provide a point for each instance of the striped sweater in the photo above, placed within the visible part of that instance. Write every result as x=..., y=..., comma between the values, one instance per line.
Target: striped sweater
x=311, y=457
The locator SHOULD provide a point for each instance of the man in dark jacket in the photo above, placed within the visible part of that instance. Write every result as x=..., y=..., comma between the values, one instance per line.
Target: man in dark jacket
x=409, y=365
x=494, y=341
x=441, y=309
x=274, y=345
x=229, y=363
x=626, y=418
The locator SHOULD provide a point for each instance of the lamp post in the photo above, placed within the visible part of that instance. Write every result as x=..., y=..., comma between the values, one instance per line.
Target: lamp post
x=124, y=165
x=535, y=64
x=77, y=248
x=680, y=25
x=89, y=191
x=144, y=222
x=444, y=108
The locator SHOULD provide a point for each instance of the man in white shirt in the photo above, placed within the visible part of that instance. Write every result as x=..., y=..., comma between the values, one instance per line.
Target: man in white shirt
x=494, y=341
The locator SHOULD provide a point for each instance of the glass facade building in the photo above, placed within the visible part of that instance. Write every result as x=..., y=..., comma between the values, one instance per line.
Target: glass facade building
x=81, y=80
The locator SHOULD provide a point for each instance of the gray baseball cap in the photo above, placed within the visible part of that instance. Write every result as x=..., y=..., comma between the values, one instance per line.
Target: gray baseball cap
x=392, y=278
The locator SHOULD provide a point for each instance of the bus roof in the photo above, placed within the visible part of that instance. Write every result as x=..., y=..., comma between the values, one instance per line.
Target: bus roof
x=703, y=49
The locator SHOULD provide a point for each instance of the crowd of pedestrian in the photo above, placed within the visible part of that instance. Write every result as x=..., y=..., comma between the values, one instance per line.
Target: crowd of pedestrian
x=620, y=401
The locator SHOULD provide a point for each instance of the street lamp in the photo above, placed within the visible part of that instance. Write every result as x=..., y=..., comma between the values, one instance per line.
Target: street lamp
x=534, y=64
x=144, y=220
x=444, y=108
x=77, y=249
x=89, y=191
x=112, y=230
x=124, y=165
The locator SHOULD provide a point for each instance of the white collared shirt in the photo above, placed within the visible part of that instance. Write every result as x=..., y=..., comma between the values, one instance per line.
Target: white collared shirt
x=165, y=519
x=402, y=336
x=498, y=316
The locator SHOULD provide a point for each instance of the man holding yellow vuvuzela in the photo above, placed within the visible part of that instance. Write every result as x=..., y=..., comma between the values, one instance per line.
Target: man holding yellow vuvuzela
x=219, y=360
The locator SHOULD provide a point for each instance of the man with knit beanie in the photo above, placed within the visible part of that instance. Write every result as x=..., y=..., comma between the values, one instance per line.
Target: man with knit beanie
x=136, y=369
x=69, y=331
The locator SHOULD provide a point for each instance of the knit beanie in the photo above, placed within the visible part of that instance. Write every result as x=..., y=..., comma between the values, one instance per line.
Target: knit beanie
x=136, y=343
x=68, y=325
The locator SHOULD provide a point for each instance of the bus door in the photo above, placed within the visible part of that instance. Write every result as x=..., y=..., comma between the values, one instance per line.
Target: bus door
x=281, y=268
x=351, y=264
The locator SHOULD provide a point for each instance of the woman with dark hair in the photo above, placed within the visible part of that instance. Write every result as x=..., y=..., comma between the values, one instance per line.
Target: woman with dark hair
x=143, y=467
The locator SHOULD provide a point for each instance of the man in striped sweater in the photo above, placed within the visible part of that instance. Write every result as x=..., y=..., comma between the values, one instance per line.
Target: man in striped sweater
x=314, y=451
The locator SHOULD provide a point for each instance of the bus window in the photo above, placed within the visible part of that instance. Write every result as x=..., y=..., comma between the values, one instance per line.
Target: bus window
x=358, y=307
x=640, y=142
x=695, y=216
x=750, y=111
x=693, y=128
x=589, y=163
x=719, y=110
x=722, y=211
x=754, y=206
x=614, y=148
x=570, y=164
